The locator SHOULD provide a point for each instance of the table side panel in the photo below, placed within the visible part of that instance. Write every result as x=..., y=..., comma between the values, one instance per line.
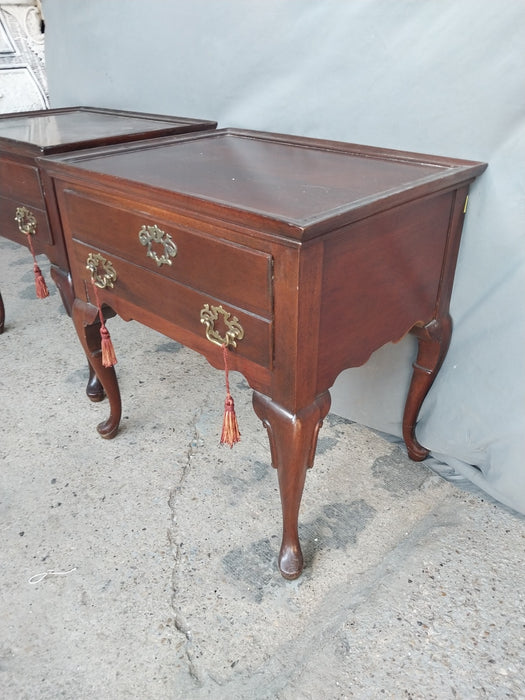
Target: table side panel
x=381, y=277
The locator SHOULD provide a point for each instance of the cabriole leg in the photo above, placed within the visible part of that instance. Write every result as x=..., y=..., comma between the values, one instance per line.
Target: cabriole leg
x=433, y=343
x=62, y=279
x=85, y=318
x=293, y=439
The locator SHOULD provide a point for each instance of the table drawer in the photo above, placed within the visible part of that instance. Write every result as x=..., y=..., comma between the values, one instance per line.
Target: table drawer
x=162, y=245
x=21, y=183
x=9, y=227
x=146, y=294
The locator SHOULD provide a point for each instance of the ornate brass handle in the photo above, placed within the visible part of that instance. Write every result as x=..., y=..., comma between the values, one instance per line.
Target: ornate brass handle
x=103, y=273
x=26, y=221
x=153, y=234
x=234, y=332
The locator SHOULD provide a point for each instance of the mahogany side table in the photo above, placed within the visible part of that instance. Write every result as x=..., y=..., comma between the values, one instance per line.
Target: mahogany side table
x=26, y=135
x=301, y=256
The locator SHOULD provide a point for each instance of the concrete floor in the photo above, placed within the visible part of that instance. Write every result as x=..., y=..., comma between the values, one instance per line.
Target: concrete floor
x=163, y=544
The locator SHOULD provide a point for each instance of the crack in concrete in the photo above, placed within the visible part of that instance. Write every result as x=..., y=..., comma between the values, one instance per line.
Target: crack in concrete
x=289, y=660
x=181, y=624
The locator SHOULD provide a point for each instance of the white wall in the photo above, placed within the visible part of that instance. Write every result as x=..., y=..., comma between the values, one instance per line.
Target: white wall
x=437, y=76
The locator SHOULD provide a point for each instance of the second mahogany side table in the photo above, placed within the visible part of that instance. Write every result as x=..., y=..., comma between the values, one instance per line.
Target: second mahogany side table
x=300, y=256
x=26, y=135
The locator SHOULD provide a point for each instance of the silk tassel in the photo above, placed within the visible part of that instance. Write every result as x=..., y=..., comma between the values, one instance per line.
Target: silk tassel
x=40, y=284
x=230, y=428
x=109, y=359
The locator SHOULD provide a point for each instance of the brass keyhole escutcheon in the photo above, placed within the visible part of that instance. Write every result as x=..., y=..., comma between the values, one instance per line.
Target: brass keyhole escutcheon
x=26, y=221
x=149, y=235
x=103, y=274
x=210, y=314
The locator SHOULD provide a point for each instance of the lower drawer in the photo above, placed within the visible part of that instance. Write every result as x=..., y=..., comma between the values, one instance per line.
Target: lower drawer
x=141, y=294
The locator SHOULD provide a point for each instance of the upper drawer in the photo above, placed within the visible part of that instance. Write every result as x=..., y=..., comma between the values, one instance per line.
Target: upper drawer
x=9, y=227
x=212, y=265
x=21, y=182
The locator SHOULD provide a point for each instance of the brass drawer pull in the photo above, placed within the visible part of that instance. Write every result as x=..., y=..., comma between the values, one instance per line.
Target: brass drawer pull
x=26, y=221
x=103, y=273
x=153, y=234
x=235, y=332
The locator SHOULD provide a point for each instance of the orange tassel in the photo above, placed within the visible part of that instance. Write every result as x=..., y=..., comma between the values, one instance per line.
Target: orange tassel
x=40, y=284
x=108, y=352
x=109, y=359
x=230, y=428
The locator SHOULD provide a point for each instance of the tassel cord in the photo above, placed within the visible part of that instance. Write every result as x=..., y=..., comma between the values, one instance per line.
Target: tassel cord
x=226, y=369
x=99, y=305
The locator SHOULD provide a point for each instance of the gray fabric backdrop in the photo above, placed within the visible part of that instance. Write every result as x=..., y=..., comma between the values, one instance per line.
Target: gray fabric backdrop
x=436, y=76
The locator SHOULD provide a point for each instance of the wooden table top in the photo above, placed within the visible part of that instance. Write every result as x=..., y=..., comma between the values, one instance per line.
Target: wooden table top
x=302, y=182
x=64, y=129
